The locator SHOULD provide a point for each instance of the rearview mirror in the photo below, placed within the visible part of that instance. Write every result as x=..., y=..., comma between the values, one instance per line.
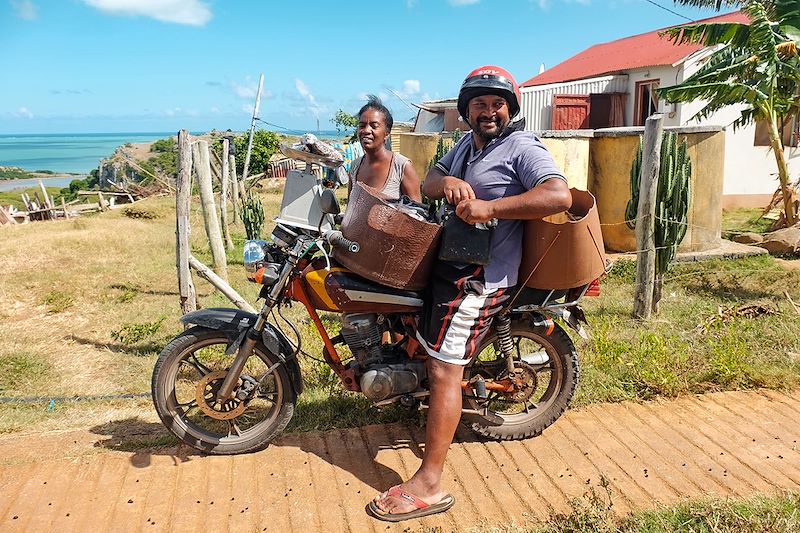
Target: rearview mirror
x=328, y=202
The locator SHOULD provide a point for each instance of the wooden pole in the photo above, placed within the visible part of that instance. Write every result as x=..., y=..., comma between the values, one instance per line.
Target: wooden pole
x=252, y=130
x=102, y=201
x=223, y=200
x=207, y=274
x=238, y=190
x=47, y=202
x=645, y=223
x=202, y=168
x=182, y=206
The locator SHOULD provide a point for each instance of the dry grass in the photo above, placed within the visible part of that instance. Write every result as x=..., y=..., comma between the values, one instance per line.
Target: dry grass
x=86, y=305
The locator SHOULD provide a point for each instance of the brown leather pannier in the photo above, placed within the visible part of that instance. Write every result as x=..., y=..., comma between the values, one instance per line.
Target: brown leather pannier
x=564, y=250
x=397, y=249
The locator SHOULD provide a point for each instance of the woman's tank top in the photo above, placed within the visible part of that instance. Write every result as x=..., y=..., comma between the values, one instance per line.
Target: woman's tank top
x=392, y=186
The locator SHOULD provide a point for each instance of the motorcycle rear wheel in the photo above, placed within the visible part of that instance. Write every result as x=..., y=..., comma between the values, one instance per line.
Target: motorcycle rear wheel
x=186, y=376
x=552, y=378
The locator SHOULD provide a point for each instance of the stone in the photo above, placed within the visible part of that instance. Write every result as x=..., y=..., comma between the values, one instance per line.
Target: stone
x=749, y=238
x=784, y=241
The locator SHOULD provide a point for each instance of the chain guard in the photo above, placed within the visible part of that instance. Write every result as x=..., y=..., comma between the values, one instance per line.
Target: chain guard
x=206, y=394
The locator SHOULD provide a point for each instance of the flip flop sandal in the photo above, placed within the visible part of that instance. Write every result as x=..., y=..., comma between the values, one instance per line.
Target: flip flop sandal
x=422, y=508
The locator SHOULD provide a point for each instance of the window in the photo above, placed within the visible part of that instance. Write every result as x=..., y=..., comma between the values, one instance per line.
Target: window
x=646, y=101
x=789, y=131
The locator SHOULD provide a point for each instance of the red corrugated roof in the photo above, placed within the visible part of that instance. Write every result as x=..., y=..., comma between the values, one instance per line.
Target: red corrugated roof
x=639, y=51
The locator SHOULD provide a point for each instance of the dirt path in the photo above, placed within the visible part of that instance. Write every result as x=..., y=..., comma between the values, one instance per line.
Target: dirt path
x=726, y=444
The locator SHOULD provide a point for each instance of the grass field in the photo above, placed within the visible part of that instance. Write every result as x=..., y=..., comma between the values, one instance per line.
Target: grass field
x=87, y=304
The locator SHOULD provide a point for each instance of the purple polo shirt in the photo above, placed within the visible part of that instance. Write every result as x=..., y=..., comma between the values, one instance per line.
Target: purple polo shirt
x=509, y=165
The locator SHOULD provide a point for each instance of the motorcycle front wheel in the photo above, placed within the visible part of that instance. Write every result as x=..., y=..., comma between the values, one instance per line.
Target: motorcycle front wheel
x=546, y=377
x=186, y=377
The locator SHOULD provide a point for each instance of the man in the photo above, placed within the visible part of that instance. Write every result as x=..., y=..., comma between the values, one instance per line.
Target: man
x=497, y=171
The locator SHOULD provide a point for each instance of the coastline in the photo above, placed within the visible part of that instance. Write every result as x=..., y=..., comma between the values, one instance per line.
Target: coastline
x=56, y=179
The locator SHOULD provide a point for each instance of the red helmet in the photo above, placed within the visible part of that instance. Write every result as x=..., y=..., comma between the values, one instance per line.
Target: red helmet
x=489, y=80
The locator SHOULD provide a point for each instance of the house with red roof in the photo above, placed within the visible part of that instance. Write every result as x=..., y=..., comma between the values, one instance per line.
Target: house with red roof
x=613, y=85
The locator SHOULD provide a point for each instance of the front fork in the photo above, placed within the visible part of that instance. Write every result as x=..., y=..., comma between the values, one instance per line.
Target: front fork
x=253, y=335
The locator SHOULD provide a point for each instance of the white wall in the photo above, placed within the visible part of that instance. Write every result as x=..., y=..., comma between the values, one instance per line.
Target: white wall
x=667, y=76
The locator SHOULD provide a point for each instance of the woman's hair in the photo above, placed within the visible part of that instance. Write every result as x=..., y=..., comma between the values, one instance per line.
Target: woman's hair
x=373, y=102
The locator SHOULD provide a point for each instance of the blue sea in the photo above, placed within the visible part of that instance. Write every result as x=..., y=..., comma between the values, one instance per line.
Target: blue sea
x=80, y=152
x=65, y=152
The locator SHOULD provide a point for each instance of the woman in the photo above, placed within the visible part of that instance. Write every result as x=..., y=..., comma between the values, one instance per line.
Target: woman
x=380, y=168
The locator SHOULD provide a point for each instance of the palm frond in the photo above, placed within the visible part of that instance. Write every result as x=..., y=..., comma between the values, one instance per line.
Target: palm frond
x=709, y=34
x=787, y=13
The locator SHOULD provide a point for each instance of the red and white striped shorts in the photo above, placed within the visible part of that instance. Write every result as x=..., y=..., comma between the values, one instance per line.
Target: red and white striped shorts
x=458, y=312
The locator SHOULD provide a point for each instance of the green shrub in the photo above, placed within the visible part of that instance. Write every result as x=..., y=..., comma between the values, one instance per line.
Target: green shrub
x=130, y=334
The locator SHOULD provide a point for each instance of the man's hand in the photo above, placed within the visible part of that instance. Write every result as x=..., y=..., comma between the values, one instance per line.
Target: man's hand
x=456, y=190
x=474, y=211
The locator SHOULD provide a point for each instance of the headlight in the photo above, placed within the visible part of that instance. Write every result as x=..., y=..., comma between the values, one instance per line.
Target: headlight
x=261, y=265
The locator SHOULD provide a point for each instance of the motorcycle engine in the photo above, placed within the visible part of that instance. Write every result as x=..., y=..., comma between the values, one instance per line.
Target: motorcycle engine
x=362, y=333
x=380, y=375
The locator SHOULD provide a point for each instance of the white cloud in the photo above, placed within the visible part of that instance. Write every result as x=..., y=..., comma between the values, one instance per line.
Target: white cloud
x=308, y=96
x=411, y=3
x=304, y=91
x=458, y=3
x=247, y=90
x=411, y=87
x=545, y=4
x=24, y=9
x=191, y=12
x=23, y=112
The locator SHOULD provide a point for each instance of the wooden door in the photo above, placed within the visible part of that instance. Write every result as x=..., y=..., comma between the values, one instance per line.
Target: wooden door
x=570, y=111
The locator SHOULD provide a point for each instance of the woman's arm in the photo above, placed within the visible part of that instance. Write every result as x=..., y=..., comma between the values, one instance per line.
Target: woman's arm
x=409, y=183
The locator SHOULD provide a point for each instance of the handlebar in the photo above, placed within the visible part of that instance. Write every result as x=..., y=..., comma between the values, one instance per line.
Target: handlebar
x=335, y=238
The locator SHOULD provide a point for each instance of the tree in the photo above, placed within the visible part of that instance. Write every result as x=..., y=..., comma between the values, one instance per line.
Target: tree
x=757, y=64
x=265, y=145
x=345, y=123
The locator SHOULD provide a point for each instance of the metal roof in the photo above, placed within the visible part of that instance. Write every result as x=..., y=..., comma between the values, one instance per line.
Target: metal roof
x=639, y=51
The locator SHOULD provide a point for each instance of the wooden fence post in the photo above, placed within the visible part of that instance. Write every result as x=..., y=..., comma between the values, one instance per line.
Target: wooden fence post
x=238, y=191
x=182, y=203
x=246, y=168
x=202, y=167
x=645, y=223
x=207, y=274
x=223, y=200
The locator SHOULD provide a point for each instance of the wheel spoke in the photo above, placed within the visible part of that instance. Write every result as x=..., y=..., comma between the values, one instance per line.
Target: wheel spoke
x=233, y=428
x=199, y=367
x=188, y=406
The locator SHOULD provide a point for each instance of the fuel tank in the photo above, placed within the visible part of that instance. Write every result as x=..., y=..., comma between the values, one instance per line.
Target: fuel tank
x=338, y=289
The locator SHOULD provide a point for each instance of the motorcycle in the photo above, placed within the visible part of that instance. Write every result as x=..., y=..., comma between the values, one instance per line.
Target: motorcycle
x=229, y=383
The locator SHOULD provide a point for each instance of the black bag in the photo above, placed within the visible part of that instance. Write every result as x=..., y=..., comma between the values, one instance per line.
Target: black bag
x=461, y=242
x=464, y=243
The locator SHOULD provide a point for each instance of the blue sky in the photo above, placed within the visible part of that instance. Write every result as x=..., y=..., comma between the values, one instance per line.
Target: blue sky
x=162, y=65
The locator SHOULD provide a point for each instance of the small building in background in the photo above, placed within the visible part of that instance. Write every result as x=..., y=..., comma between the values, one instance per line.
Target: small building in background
x=614, y=85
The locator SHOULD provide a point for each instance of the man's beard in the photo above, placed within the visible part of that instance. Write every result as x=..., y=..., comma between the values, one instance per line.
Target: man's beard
x=487, y=136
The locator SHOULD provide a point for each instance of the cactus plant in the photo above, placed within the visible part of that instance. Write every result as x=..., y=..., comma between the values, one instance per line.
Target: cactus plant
x=672, y=197
x=252, y=216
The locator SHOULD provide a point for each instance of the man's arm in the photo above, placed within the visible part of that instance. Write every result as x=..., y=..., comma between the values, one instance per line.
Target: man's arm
x=548, y=198
x=437, y=185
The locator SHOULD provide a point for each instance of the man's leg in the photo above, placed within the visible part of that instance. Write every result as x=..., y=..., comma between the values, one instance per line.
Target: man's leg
x=444, y=414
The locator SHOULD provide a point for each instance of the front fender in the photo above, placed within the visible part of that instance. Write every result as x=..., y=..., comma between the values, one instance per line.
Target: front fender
x=235, y=323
